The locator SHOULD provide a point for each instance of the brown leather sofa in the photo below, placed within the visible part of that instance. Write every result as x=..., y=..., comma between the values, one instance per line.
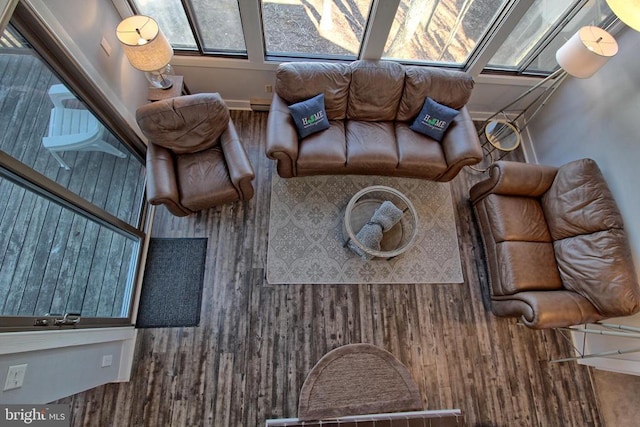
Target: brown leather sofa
x=195, y=159
x=555, y=244
x=370, y=106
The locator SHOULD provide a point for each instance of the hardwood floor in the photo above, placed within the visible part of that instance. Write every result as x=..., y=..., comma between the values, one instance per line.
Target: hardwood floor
x=247, y=360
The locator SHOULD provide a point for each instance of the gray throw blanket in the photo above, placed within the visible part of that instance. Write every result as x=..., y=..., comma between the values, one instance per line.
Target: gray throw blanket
x=370, y=235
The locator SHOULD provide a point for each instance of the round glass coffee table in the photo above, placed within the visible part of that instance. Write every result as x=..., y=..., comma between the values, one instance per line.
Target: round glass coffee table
x=359, y=211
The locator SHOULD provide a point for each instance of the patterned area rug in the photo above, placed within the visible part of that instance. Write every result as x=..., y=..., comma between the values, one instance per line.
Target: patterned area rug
x=306, y=240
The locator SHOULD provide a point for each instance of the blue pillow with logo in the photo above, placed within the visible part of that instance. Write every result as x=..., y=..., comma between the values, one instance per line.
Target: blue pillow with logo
x=434, y=119
x=309, y=116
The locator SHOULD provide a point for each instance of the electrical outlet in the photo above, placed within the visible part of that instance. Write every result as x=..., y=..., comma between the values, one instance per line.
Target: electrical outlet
x=268, y=88
x=15, y=377
x=107, y=360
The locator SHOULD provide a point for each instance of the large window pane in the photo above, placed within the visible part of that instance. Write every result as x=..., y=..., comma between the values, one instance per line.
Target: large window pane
x=54, y=261
x=534, y=25
x=439, y=30
x=593, y=13
x=172, y=20
x=219, y=25
x=99, y=167
x=314, y=27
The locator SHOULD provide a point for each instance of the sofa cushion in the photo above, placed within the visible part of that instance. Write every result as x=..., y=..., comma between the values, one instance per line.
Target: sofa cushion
x=434, y=119
x=516, y=218
x=526, y=266
x=309, y=116
x=325, y=151
x=579, y=201
x=375, y=91
x=599, y=266
x=418, y=155
x=183, y=124
x=370, y=147
x=297, y=81
x=203, y=179
x=450, y=88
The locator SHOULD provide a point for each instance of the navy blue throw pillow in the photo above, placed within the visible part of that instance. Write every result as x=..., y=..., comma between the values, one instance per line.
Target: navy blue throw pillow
x=309, y=116
x=434, y=119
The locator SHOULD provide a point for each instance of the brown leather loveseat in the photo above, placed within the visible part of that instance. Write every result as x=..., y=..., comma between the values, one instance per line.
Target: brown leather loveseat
x=370, y=106
x=555, y=244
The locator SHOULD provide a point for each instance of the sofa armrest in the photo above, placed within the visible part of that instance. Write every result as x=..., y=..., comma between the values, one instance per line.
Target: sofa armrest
x=282, y=138
x=162, y=186
x=514, y=179
x=460, y=145
x=238, y=163
x=546, y=309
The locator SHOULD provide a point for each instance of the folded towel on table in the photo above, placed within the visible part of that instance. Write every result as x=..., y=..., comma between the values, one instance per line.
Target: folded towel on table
x=387, y=215
x=370, y=235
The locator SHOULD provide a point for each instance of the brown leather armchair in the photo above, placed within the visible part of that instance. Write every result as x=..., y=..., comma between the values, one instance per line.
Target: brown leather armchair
x=195, y=159
x=555, y=245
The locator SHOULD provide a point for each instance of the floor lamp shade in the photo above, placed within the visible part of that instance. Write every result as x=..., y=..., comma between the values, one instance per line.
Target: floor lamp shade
x=628, y=11
x=586, y=51
x=144, y=44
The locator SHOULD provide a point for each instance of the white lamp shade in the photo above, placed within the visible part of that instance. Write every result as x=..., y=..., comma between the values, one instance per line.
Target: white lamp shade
x=144, y=44
x=586, y=51
x=628, y=11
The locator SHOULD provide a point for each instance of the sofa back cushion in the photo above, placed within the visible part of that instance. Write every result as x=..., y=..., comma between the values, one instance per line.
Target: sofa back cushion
x=375, y=91
x=579, y=201
x=447, y=87
x=299, y=81
x=185, y=124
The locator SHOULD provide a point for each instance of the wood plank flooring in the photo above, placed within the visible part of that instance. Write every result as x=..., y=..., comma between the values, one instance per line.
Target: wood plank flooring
x=52, y=260
x=256, y=343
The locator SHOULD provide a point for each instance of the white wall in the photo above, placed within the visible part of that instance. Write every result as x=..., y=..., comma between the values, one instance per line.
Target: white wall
x=599, y=118
x=64, y=362
x=238, y=81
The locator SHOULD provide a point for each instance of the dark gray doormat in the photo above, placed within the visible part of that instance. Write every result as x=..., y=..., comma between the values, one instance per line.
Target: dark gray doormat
x=172, y=285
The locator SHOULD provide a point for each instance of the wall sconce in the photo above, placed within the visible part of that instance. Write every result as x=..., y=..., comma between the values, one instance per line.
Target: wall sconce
x=146, y=48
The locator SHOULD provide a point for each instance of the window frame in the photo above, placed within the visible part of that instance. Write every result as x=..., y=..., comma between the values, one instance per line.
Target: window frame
x=378, y=26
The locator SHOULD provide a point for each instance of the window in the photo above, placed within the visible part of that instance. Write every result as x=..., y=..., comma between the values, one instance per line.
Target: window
x=468, y=34
x=220, y=25
x=314, y=28
x=439, y=30
x=172, y=19
x=217, y=24
x=71, y=193
x=531, y=47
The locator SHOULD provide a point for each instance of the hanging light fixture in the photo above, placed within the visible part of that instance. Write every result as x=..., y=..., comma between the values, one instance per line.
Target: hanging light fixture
x=628, y=11
x=147, y=49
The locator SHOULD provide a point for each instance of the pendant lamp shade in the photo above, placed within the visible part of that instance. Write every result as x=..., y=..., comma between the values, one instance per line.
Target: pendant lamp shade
x=144, y=44
x=628, y=11
x=586, y=52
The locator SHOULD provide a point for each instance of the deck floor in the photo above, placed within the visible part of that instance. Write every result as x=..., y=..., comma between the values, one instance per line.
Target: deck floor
x=51, y=259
